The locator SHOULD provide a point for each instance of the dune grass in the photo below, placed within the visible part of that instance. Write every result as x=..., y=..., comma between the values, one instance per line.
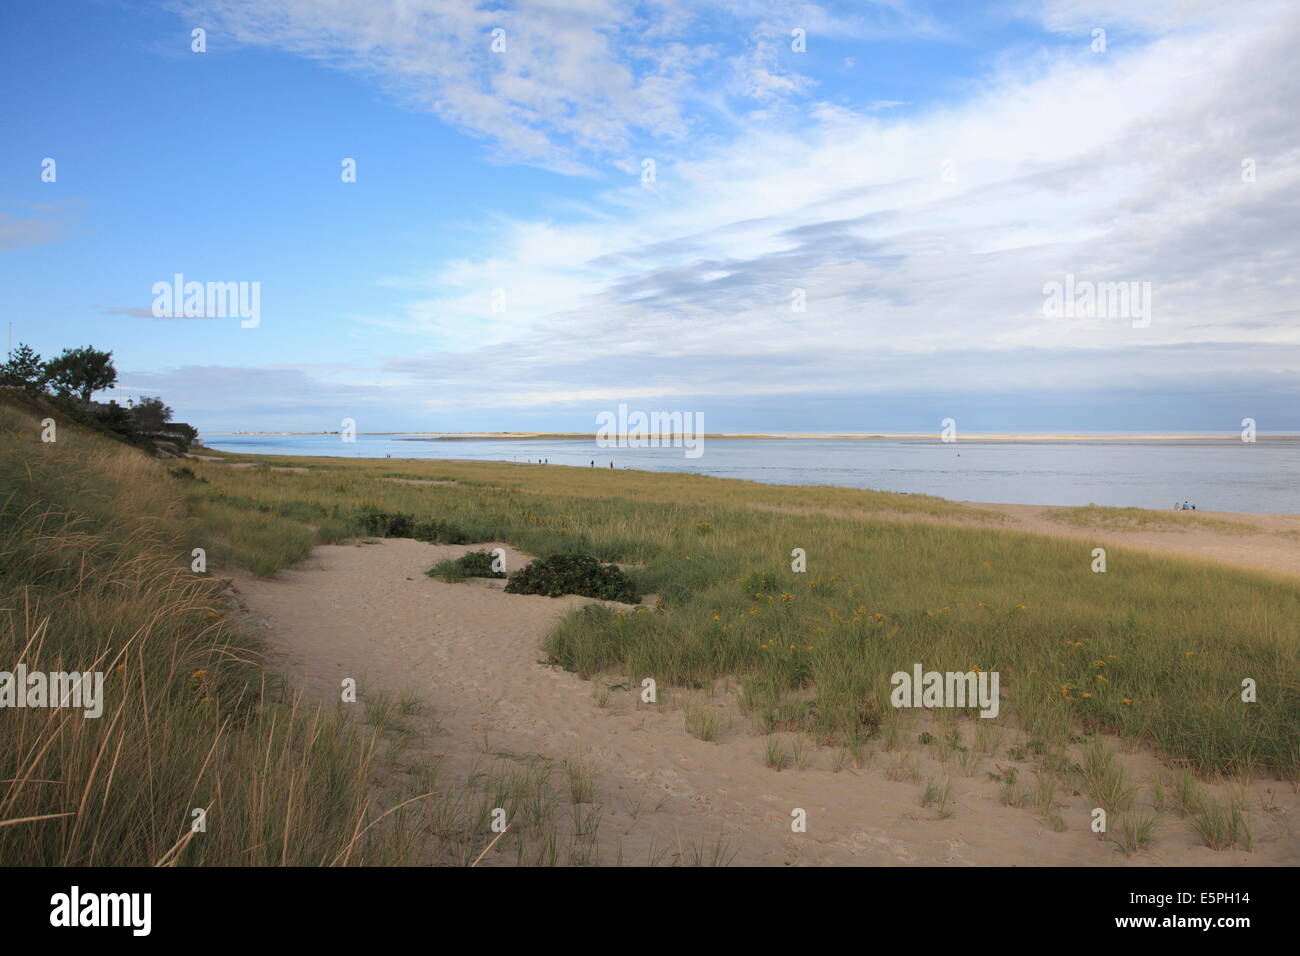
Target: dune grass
x=1144, y=519
x=96, y=542
x=96, y=545
x=1155, y=653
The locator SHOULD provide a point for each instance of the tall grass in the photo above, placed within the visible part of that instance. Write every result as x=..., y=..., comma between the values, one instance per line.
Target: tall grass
x=1144, y=519
x=1154, y=653
x=95, y=545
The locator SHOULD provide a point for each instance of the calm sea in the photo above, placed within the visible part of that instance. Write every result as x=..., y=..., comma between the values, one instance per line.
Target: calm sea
x=1215, y=476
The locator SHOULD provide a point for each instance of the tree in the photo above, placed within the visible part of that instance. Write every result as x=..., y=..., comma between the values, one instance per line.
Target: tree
x=81, y=372
x=24, y=370
x=151, y=415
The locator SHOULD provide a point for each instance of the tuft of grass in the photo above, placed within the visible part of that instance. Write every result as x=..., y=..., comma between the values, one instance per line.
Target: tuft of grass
x=937, y=795
x=903, y=767
x=582, y=782
x=1222, y=825
x=717, y=853
x=1012, y=792
x=1106, y=781
x=1189, y=796
x=776, y=755
x=1134, y=832
x=702, y=722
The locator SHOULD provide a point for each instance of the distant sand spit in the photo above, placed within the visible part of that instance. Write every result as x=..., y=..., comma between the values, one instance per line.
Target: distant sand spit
x=760, y=436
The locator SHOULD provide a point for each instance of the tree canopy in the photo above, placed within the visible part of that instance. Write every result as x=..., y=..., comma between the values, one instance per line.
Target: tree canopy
x=151, y=414
x=81, y=372
x=24, y=370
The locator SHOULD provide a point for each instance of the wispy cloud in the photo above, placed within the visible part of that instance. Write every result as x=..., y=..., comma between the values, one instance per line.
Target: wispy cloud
x=556, y=84
x=920, y=240
x=35, y=225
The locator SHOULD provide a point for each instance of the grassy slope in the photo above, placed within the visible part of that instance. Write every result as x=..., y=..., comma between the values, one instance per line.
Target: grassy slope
x=1154, y=650
x=95, y=547
x=1142, y=519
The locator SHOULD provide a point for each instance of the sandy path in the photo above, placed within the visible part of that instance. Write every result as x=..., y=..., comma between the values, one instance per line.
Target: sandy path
x=1275, y=547
x=1268, y=543
x=472, y=652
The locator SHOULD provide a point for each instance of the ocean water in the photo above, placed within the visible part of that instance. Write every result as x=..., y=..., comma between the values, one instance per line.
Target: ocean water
x=1261, y=478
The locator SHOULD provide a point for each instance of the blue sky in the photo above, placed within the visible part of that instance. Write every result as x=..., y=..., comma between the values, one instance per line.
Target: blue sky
x=916, y=175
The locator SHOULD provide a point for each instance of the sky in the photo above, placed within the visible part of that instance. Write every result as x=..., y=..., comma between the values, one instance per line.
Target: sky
x=783, y=216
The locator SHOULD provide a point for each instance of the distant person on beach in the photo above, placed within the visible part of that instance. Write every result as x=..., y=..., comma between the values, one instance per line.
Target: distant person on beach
x=1186, y=506
x=611, y=464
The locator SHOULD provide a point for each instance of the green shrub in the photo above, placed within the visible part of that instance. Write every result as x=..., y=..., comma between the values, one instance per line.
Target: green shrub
x=574, y=574
x=475, y=564
x=384, y=524
x=438, y=532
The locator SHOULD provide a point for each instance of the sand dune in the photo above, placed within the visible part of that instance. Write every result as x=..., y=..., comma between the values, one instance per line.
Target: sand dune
x=1267, y=542
x=472, y=652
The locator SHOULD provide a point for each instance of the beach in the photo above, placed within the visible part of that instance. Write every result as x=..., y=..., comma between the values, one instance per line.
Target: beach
x=1213, y=474
x=469, y=651
x=714, y=688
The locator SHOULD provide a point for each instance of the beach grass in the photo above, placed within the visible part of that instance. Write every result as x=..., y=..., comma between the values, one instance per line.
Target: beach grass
x=96, y=541
x=1156, y=652
x=1144, y=519
x=201, y=756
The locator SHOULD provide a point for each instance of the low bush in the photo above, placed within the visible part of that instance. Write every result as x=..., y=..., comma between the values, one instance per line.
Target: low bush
x=475, y=564
x=401, y=525
x=574, y=574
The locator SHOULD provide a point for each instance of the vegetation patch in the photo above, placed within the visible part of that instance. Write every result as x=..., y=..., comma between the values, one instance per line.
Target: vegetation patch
x=400, y=525
x=476, y=564
x=1154, y=656
x=574, y=574
x=186, y=474
x=1143, y=519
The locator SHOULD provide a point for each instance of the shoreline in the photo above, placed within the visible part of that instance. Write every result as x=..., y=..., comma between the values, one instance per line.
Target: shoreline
x=990, y=505
x=990, y=437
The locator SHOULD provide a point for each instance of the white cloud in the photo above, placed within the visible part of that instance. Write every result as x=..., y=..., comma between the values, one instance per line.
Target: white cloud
x=1122, y=166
